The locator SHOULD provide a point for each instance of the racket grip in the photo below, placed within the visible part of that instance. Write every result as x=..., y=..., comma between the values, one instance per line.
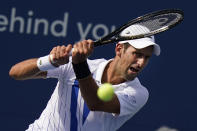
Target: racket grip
x=51, y=56
x=104, y=42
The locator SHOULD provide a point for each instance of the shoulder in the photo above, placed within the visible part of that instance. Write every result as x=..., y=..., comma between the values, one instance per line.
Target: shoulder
x=93, y=64
x=141, y=92
x=136, y=91
x=67, y=69
x=132, y=97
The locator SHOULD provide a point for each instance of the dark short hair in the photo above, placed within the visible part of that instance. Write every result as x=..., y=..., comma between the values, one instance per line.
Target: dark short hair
x=126, y=45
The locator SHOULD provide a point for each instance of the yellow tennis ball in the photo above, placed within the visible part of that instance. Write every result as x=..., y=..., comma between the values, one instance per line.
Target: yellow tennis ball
x=105, y=92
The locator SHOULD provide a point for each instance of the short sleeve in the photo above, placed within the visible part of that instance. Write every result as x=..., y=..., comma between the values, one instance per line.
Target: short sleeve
x=67, y=69
x=59, y=71
x=54, y=73
x=131, y=100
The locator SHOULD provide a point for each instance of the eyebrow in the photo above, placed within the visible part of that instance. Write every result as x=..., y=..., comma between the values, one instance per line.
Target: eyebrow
x=142, y=54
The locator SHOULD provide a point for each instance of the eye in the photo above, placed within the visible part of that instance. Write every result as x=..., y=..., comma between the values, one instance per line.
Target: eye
x=147, y=57
x=138, y=54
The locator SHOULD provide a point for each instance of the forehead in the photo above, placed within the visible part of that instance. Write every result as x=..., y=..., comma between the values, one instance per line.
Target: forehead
x=147, y=50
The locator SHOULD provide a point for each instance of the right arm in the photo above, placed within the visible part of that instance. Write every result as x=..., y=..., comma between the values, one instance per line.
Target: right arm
x=28, y=69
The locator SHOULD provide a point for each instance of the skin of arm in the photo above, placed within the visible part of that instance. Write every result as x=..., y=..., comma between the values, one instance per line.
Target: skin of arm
x=88, y=89
x=26, y=70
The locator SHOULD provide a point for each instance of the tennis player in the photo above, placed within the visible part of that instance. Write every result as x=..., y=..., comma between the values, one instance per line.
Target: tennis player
x=74, y=105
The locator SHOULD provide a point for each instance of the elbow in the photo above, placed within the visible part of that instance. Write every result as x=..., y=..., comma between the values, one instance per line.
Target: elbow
x=13, y=74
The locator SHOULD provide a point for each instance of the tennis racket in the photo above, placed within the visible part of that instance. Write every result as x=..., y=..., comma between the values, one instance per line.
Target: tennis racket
x=155, y=22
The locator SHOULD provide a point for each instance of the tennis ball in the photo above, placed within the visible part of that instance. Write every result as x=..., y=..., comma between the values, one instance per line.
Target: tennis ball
x=105, y=92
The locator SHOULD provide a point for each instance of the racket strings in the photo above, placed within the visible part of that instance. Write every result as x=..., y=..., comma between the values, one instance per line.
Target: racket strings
x=159, y=22
x=144, y=26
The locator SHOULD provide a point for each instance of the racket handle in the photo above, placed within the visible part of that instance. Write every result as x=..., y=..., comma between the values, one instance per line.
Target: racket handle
x=116, y=39
x=104, y=42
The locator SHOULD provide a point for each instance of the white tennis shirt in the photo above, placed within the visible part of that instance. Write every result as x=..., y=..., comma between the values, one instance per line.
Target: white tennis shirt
x=67, y=111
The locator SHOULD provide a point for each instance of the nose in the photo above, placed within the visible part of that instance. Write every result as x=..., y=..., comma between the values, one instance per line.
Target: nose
x=141, y=62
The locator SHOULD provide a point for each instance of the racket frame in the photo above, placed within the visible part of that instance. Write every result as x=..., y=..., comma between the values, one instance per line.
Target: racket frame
x=109, y=38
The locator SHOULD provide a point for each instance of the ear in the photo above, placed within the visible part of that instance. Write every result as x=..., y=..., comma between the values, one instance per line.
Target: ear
x=119, y=49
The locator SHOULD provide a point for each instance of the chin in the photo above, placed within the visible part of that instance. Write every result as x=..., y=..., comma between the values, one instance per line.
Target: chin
x=130, y=78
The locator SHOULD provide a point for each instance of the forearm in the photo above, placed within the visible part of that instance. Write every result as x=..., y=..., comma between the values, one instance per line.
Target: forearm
x=88, y=88
x=87, y=84
x=26, y=70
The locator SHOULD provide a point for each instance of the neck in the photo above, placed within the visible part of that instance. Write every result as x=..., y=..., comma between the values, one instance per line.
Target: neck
x=110, y=75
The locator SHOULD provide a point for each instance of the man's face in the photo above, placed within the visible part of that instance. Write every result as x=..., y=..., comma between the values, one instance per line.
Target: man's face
x=132, y=61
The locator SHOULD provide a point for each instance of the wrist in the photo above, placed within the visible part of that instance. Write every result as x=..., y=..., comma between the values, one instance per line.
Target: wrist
x=44, y=63
x=81, y=70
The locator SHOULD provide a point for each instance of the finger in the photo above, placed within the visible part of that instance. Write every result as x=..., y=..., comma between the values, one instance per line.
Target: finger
x=85, y=45
x=62, y=51
x=53, y=54
x=91, y=44
x=90, y=41
x=80, y=47
x=58, y=52
x=53, y=50
x=68, y=49
x=63, y=59
x=74, y=49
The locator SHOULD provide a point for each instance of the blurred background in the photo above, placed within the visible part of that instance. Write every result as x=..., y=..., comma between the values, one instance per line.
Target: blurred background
x=170, y=78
